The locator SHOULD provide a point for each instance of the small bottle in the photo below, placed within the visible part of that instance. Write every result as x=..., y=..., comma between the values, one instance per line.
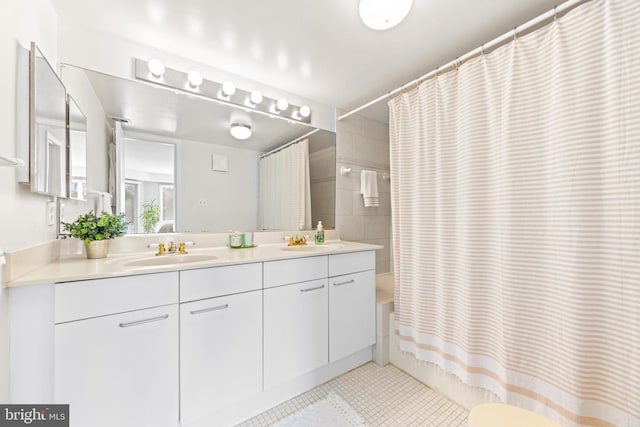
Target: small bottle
x=319, y=234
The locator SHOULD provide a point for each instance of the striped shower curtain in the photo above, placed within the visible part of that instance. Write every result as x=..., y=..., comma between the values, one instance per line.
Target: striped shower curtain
x=285, y=189
x=516, y=218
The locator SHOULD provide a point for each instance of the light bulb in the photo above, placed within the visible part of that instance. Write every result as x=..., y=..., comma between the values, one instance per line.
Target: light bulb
x=256, y=97
x=383, y=14
x=282, y=104
x=195, y=78
x=305, y=111
x=156, y=67
x=228, y=88
x=240, y=130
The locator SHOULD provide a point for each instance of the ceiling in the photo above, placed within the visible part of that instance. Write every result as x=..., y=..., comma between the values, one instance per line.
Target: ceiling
x=316, y=49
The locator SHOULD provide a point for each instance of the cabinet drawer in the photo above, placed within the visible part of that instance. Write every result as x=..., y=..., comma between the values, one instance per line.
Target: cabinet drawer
x=351, y=263
x=296, y=270
x=93, y=298
x=218, y=281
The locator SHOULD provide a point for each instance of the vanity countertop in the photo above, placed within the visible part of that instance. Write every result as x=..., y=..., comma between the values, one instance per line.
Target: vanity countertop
x=127, y=264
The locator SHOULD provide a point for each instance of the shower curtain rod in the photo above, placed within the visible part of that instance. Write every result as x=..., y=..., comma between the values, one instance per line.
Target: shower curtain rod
x=569, y=4
x=11, y=161
x=282, y=147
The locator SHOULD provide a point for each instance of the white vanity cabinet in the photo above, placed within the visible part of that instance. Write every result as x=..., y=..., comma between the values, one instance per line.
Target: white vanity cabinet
x=208, y=345
x=220, y=339
x=114, y=367
x=352, y=299
x=295, y=318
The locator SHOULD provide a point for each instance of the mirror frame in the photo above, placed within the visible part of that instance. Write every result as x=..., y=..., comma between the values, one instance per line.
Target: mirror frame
x=38, y=131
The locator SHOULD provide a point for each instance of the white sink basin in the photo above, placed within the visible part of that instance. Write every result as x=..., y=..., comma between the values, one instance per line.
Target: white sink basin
x=169, y=260
x=312, y=248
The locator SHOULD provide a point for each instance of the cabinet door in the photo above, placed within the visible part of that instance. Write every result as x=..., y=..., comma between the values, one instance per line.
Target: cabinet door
x=119, y=370
x=295, y=330
x=352, y=315
x=220, y=353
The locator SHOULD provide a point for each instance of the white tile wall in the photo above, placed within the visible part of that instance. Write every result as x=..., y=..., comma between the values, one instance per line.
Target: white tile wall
x=362, y=143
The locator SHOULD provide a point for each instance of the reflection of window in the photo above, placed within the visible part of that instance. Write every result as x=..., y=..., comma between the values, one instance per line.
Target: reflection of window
x=78, y=188
x=151, y=167
x=132, y=205
x=167, y=193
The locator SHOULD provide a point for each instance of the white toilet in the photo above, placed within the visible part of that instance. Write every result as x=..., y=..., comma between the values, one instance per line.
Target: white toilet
x=501, y=415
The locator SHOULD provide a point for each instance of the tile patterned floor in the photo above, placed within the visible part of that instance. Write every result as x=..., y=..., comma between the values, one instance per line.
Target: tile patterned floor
x=383, y=396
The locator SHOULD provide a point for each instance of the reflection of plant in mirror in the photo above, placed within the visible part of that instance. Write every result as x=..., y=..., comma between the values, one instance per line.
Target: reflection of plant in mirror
x=150, y=216
x=90, y=227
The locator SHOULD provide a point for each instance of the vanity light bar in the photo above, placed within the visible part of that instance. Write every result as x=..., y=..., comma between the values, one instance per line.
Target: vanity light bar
x=179, y=80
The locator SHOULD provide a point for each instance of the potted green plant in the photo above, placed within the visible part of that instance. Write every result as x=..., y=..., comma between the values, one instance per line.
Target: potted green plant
x=96, y=231
x=150, y=216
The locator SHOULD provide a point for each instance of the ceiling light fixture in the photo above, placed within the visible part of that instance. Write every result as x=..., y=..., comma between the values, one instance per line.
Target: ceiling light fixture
x=305, y=111
x=195, y=78
x=228, y=88
x=193, y=83
x=240, y=131
x=282, y=104
x=384, y=14
x=256, y=97
x=156, y=67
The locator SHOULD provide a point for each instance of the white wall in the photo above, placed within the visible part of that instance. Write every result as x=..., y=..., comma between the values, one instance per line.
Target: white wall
x=23, y=215
x=20, y=23
x=231, y=197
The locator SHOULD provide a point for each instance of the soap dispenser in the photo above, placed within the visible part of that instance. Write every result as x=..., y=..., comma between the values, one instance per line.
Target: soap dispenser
x=319, y=234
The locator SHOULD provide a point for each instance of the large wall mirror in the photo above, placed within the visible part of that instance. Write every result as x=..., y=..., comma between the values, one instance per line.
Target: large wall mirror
x=47, y=128
x=176, y=153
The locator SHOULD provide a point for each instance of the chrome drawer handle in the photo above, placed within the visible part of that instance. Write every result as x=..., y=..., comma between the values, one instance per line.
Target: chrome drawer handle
x=140, y=322
x=344, y=283
x=312, y=289
x=206, y=310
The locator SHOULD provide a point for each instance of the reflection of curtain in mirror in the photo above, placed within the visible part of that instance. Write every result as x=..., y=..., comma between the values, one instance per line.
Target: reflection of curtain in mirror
x=285, y=196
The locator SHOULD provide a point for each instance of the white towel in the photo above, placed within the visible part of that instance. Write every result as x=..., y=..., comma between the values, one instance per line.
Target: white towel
x=369, y=188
